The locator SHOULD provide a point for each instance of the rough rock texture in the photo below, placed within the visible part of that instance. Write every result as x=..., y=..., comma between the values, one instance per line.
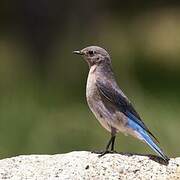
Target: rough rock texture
x=86, y=165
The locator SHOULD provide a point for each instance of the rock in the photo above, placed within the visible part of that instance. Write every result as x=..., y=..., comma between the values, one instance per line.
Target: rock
x=87, y=165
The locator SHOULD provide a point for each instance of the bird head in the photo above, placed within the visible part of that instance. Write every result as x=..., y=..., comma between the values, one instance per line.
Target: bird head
x=94, y=55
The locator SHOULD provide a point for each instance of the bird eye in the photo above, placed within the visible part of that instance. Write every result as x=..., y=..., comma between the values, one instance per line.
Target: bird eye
x=91, y=52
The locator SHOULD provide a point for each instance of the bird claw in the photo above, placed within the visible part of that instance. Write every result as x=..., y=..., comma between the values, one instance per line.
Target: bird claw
x=102, y=153
x=107, y=152
x=97, y=151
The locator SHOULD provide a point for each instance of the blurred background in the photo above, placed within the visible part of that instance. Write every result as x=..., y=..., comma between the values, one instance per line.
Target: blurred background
x=43, y=109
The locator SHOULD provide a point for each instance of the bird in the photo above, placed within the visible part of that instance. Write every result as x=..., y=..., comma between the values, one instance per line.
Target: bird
x=110, y=105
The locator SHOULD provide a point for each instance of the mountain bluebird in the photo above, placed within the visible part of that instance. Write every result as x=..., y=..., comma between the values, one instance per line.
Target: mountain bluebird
x=109, y=104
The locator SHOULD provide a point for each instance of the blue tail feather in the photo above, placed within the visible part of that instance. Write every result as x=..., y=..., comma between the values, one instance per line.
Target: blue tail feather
x=146, y=137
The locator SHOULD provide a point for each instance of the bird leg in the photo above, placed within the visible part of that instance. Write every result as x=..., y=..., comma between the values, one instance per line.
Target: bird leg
x=110, y=142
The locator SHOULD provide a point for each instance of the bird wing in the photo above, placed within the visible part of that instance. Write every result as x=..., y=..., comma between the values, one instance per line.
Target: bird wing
x=118, y=99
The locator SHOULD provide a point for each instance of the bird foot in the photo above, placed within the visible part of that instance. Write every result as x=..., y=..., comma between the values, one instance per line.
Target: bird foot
x=107, y=152
x=96, y=151
x=102, y=153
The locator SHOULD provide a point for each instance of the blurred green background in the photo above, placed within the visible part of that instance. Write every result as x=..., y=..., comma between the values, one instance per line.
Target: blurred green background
x=43, y=109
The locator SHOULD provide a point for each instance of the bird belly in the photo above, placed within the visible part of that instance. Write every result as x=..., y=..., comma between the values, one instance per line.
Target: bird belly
x=101, y=115
x=109, y=118
x=110, y=121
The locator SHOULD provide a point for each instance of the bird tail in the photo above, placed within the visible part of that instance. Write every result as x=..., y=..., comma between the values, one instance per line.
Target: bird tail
x=147, y=138
x=143, y=135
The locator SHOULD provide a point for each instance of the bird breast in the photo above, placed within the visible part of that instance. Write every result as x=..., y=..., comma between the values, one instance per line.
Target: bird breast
x=91, y=88
x=107, y=115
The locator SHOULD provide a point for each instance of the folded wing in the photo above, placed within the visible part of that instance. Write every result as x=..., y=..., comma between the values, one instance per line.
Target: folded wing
x=117, y=98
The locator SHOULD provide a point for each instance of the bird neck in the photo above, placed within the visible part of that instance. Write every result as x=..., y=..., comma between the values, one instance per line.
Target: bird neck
x=103, y=69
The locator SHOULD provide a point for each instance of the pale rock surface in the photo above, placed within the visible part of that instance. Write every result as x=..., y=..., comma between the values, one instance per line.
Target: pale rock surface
x=86, y=165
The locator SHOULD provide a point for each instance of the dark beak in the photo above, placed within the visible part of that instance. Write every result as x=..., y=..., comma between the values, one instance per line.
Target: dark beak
x=78, y=52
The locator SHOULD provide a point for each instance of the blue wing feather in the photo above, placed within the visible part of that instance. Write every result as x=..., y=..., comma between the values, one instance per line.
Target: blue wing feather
x=122, y=103
x=134, y=121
